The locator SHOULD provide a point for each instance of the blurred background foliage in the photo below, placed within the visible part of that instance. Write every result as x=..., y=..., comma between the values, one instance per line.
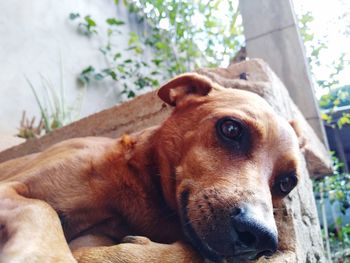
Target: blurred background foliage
x=184, y=35
x=334, y=188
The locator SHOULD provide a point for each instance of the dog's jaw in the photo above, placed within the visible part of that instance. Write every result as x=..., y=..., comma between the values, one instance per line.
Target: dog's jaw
x=191, y=234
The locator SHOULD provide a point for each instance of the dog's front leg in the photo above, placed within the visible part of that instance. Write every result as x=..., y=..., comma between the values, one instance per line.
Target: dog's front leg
x=30, y=230
x=139, y=250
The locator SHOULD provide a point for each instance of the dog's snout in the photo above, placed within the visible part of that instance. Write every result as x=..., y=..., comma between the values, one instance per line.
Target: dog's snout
x=252, y=235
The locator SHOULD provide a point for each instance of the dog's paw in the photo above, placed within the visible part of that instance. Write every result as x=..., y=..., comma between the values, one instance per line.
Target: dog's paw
x=136, y=240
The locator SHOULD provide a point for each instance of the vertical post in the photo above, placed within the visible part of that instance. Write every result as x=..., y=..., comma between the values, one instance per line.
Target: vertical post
x=340, y=150
x=271, y=33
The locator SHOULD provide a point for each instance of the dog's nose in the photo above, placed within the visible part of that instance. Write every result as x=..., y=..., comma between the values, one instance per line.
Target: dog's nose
x=252, y=234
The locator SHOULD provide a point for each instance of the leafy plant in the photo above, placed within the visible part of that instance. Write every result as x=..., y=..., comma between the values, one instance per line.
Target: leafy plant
x=336, y=98
x=183, y=35
x=87, y=26
x=28, y=129
x=192, y=34
x=336, y=187
x=124, y=65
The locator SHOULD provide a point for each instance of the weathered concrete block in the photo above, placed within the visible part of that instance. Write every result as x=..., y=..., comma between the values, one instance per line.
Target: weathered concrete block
x=272, y=34
x=280, y=17
x=296, y=217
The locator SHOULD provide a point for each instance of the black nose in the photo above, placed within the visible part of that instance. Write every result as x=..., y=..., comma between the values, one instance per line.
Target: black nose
x=252, y=235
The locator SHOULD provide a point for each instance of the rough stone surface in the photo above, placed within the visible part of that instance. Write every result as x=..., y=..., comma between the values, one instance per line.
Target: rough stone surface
x=296, y=216
x=279, y=17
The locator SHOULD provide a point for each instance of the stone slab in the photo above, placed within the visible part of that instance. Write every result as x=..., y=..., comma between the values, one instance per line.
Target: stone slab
x=279, y=16
x=142, y=112
x=272, y=34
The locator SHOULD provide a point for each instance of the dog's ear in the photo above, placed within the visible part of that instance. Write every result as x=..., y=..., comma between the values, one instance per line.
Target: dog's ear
x=179, y=87
x=296, y=127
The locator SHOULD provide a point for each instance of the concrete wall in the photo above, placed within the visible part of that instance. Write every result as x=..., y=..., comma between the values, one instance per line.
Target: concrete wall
x=272, y=34
x=35, y=36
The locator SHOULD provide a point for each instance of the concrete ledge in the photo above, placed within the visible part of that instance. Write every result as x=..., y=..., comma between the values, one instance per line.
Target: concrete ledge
x=142, y=112
x=147, y=110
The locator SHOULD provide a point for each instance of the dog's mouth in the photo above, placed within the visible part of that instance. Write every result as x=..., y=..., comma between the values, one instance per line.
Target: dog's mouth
x=203, y=248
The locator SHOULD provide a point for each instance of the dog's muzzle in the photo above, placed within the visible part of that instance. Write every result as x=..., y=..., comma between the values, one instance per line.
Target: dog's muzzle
x=251, y=237
x=241, y=234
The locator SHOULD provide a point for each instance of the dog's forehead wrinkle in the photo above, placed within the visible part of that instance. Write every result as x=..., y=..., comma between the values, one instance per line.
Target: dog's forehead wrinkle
x=239, y=96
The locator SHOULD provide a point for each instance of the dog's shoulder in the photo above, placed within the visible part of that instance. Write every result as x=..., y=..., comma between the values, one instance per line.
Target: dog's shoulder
x=57, y=155
x=80, y=144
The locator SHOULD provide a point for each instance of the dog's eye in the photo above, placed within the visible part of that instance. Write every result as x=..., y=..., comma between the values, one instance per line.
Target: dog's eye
x=285, y=183
x=230, y=129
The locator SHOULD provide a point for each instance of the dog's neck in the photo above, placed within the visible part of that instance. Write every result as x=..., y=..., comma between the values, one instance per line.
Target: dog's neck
x=146, y=162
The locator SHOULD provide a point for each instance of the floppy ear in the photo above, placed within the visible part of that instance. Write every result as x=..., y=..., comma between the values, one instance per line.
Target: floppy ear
x=183, y=85
x=296, y=127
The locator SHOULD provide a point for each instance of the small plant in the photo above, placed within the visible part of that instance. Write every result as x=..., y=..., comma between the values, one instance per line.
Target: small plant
x=28, y=129
x=87, y=26
x=52, y=108
x=52, y=104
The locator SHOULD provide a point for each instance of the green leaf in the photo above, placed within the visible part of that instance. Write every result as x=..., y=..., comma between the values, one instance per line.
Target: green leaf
x=138, y=50
x=87, y=70
x=161, y=45
x=131, y=94
x=90, y=21
x=114, y=22
x=120, y=68
x=117, y=55
x=157, y=61
x=113, y=75
x=73, y=16
x=133, y=39
x=343, y=120
x=210, y=23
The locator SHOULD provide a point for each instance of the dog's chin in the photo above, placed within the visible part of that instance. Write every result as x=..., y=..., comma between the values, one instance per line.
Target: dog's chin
x=242, y=258
x=204, y=249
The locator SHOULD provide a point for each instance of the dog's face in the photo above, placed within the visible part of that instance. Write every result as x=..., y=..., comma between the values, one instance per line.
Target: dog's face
x=229, y=157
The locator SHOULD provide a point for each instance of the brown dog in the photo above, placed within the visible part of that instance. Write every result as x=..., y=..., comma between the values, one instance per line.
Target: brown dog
x=200, y=186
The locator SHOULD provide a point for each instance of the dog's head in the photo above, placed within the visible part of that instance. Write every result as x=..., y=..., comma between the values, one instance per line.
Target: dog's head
x=225, y=156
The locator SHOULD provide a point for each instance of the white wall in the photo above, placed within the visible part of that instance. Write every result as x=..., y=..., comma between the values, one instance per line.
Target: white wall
x=34, y=36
